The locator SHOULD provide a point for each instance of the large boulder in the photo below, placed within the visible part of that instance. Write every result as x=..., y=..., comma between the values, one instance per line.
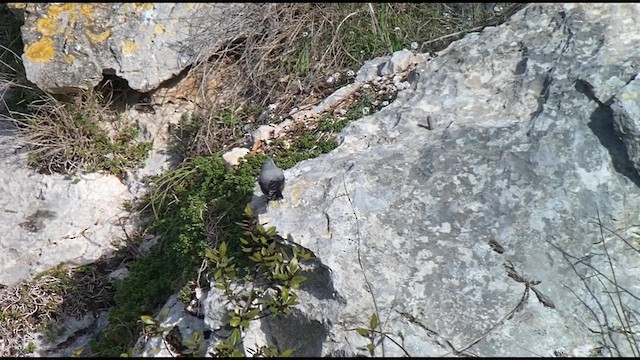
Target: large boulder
x=49, y=219
x=490, y=211
x=70, y=46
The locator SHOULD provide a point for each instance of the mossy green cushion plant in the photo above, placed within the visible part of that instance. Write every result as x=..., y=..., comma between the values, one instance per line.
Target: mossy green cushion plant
x=178, y=208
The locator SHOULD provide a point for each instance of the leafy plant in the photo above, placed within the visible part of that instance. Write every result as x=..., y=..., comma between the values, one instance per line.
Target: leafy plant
x=276, y=273
x=266, y=351
x=370, y=334
x=180, y=208
x=152, y=326
x=194, y=345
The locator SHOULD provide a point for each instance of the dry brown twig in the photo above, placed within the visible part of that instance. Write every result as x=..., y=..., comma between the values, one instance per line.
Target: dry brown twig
x=36, y=305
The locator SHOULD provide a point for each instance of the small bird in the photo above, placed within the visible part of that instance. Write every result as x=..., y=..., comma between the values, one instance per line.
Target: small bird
x=271, y=180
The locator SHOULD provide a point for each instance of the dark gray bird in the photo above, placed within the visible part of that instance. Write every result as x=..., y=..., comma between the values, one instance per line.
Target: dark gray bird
x=271, y=180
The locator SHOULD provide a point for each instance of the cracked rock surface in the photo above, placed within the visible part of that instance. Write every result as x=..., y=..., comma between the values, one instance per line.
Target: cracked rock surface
x=48, y=219
x=71, y=46
x=472, y=202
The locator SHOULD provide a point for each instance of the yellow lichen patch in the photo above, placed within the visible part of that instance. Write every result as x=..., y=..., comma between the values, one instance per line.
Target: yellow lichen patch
x=630, y=95
x=144, y=6
x=86, y=10
x=28, y=7
x=69, y=58
x=48, y=27
x=49, y=24
x=158, y=29
x=54, y=10
x=296, y=191
x=98, y=38
x=129, y=47
x=17, y=6
x=40, y=51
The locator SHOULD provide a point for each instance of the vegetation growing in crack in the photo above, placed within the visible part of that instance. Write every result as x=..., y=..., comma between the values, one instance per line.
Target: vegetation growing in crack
x=272, y=279
x=301, y=53
x=81, y=135
x=193, y=209
x=297, y=47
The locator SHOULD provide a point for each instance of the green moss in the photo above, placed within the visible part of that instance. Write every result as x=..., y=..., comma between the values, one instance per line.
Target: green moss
x=332, y=124
x=127, y=205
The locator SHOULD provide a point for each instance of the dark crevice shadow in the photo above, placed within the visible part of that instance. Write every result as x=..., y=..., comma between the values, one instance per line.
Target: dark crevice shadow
x=304, y=335
x=602, y=126
x=118, y=93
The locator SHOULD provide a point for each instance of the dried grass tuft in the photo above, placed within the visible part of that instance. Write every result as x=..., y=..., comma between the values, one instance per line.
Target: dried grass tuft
x=285, y=62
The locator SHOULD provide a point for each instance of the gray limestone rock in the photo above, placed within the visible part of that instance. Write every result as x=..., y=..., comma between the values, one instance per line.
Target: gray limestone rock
x=399, y=62
x=174, y=317
x=508, y=227
x=71, y=46
x=48, y=219
x=626, y=117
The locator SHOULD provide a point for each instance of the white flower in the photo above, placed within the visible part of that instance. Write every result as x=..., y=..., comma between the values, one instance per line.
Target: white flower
x=350, y=73
x=366, y=111
x=414, y=45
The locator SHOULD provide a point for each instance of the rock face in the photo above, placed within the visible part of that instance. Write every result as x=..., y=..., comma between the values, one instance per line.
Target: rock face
x=626, y=118
x=480, y=236
x=71, y=45
x=47, y=219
